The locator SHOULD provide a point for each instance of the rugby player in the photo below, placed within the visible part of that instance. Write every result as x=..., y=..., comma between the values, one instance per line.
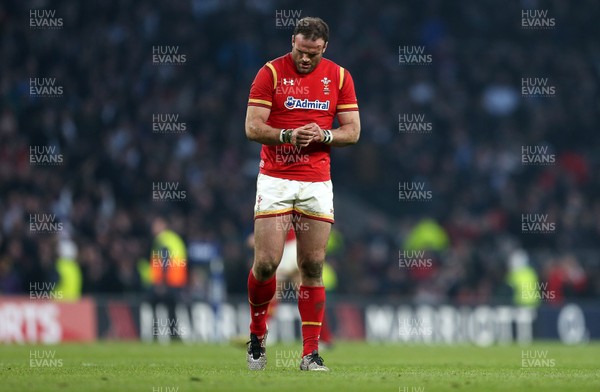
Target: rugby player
x=293, y=102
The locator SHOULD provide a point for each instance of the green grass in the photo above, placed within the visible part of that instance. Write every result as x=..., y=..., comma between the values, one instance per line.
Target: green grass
x=355, y=367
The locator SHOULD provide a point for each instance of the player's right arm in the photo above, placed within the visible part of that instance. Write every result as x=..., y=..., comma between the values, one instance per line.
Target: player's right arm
x=259, y=109
x=259, y=131
x=256, y=126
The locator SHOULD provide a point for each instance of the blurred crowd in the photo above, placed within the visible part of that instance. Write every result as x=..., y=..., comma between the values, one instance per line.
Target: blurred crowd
x=470, y=92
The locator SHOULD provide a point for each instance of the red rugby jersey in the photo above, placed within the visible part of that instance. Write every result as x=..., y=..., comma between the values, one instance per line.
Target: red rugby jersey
x=297, y=99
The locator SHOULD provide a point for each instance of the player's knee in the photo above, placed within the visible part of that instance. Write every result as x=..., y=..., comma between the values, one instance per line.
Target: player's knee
x=264, y=270
x=312, y=268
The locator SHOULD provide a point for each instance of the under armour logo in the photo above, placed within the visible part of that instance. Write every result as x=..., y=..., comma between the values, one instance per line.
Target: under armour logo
x=257, y=313
x=288, y=81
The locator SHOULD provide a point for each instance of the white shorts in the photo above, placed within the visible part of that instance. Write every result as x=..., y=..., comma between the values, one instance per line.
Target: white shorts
x=278, y=196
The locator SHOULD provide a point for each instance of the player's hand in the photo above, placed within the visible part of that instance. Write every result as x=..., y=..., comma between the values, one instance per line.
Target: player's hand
x=302, y=136
x=319, y=135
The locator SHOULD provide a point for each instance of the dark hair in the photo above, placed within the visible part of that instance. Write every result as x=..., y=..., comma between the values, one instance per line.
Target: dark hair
x=312, y=28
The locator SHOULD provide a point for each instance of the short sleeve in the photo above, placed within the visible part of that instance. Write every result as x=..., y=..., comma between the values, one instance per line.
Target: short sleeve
x=263, y=87
x=347, y=97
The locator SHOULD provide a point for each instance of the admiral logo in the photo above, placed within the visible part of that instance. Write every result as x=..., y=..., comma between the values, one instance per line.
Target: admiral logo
x=294, y=103
x=290, y=86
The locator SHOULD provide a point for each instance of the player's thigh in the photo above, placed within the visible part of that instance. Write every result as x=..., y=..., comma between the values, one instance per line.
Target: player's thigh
x=312, y=236
x=315, y=208
x=269, y=239
x=272, y=217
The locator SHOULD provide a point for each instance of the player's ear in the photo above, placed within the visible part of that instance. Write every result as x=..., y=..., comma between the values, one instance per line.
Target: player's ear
x=293, y=40
x=324, y=47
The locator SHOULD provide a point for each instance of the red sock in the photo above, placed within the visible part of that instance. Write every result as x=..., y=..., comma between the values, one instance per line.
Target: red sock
x=311, y=304
x=325, y=332
x=259, y=296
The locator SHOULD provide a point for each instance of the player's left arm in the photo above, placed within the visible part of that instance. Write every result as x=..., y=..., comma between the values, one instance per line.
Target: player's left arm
x=349, y=131
x=347, y=113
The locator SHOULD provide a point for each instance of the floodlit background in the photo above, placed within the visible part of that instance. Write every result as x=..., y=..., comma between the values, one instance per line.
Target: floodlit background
x=476, y=180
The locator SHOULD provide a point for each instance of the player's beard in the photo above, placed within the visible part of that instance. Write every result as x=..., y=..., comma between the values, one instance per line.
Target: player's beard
x=304, y=70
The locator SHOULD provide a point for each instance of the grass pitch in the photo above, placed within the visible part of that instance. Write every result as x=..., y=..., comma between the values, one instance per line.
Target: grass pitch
x=355, y=367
